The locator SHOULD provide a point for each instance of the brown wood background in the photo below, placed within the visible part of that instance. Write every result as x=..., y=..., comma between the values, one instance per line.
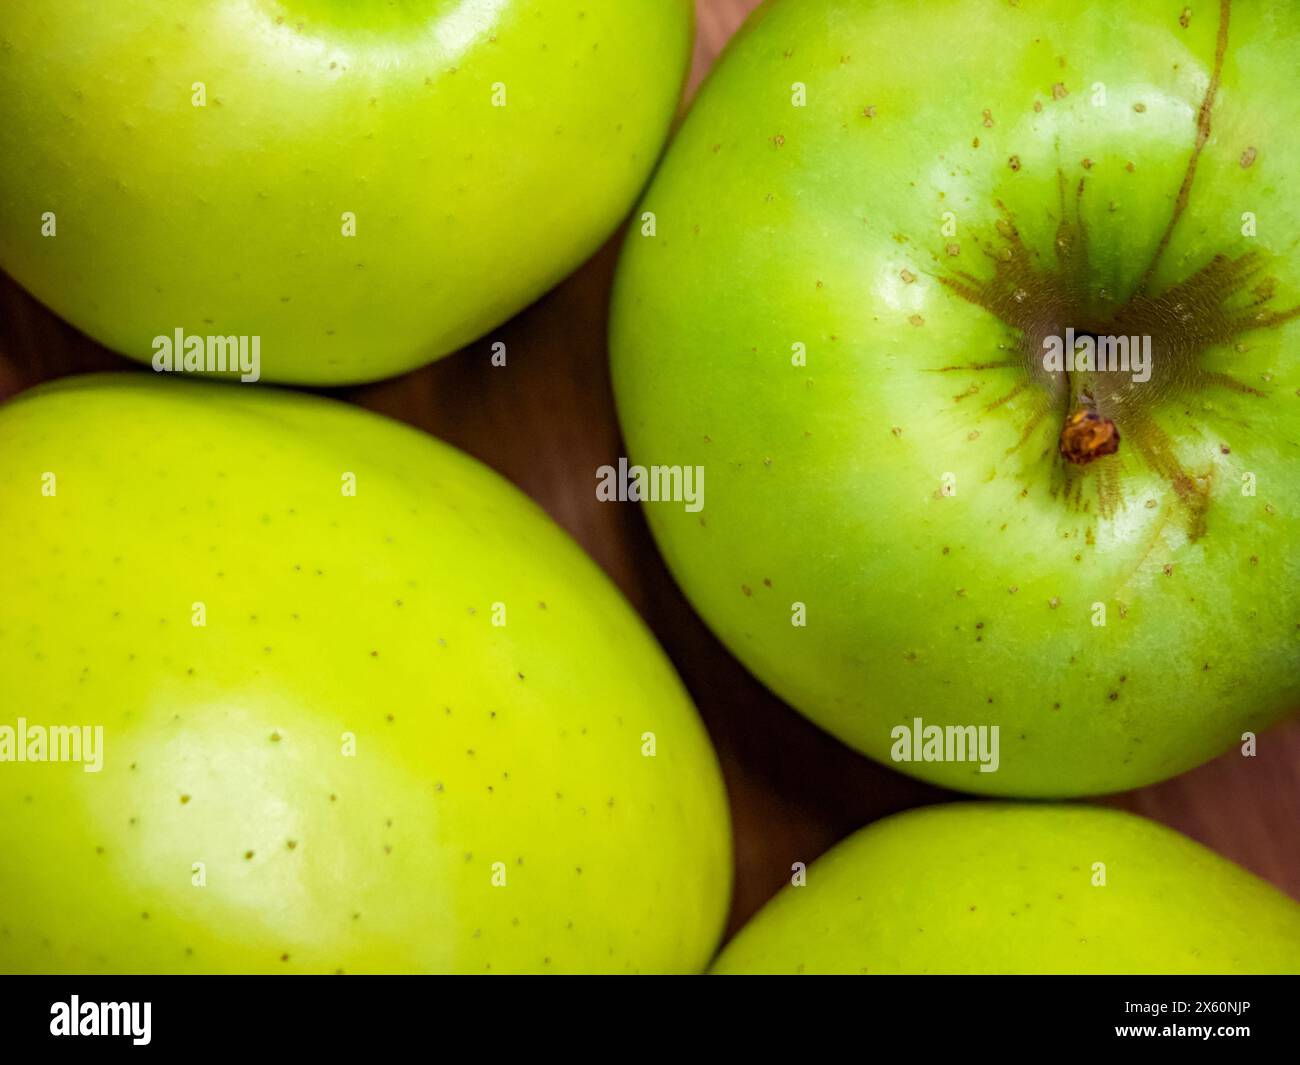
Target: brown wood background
x=547, y=422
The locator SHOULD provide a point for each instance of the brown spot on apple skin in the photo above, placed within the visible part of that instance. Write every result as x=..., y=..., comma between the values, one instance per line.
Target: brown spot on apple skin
x=1248, y=157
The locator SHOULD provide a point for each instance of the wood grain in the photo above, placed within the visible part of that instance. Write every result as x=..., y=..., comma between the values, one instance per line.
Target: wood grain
x=547, y=422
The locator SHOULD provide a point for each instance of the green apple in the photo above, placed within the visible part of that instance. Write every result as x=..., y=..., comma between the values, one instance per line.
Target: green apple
x=362, y=185
x=872, y=232
x=362, y=706
x=1005, y=888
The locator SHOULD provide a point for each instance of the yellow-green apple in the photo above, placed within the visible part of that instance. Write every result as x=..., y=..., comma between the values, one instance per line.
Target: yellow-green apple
x=361, y=185
x=983, y=320
x=1005, y=888
x=289, y=687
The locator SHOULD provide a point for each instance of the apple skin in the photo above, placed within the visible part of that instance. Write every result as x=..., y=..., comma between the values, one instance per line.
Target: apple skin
x=823, y=226
x=996, y=888
x=325, y=615
x=228, y=219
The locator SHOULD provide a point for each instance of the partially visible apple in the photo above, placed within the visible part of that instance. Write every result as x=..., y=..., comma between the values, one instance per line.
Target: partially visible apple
x=365, y=186
x=996, y=888
x=410, y=729
x=870, y=230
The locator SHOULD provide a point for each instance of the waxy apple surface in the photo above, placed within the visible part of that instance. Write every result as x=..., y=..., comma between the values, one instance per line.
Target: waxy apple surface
x=869, y=228
x=1001, y=888
x=201, y=162
x=410, y=729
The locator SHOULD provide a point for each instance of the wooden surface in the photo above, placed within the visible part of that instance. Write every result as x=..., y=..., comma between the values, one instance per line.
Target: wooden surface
x=547, y=422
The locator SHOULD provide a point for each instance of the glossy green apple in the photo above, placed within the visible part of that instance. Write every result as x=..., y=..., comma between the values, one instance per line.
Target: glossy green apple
x=363, y=185
x=409, y=729
x=871, y=224
x=1005, y=888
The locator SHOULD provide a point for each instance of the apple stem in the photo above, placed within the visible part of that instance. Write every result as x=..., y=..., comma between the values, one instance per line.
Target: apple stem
x=1087, y=434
